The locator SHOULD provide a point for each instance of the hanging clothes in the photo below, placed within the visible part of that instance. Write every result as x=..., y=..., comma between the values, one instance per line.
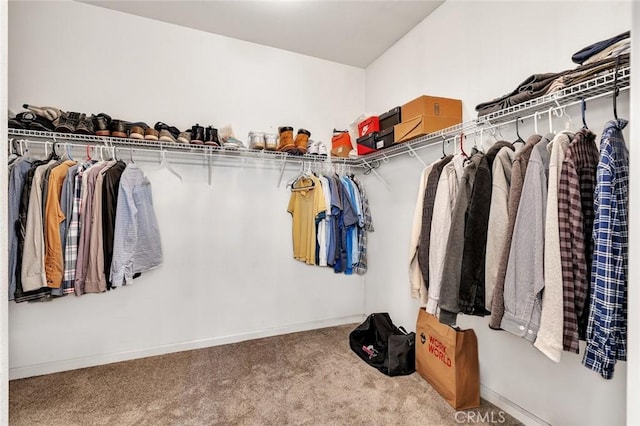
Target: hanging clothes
x=498, y=217
x=549, y=338
x=524, y=278
x=518, y=172
x=416, y=280
x=446, y=194
x=137, y=247
x=575, y=221
x=607, y=324
x=360, y=267
x=110, y=191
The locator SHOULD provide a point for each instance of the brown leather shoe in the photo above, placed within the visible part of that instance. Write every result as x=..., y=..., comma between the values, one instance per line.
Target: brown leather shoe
x=302, y=138
x=286, y=142
x=151, y=134
x=136, y=132
x=118, y=129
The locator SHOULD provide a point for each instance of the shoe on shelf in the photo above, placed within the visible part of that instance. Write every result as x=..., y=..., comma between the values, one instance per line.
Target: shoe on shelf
x=197, y=134
x=286, y=143
x=22, y=120
x=101, y=123
x=313, y=147
x=151, y=134
x=162, y=126
x=85, y=125
x=256, y=140
x=136, y=132
x=233, y=143
x=211, y=136
x=322, y=149
x=166, y=136
x=302, y=138
x=270, y=141
x=184, y=137
x=67, y=122
x=118, y=129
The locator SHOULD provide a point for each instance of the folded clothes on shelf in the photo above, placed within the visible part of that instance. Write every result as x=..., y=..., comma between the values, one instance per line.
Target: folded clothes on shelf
x=584, y=54
x=542, y=84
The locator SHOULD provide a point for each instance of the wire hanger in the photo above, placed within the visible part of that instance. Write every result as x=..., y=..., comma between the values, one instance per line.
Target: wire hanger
x=462, y=136
x=519, y=140
x=444, y=154
x=584, y=109
x=165, y=163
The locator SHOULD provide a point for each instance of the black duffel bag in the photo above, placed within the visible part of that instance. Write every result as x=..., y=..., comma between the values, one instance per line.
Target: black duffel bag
x=384, y=346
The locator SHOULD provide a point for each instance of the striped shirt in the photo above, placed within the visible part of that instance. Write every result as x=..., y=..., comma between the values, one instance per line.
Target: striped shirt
x=607, y=325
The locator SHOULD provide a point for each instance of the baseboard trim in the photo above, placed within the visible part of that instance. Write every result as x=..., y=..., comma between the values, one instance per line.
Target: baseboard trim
x=92, y=361
x=513, y=409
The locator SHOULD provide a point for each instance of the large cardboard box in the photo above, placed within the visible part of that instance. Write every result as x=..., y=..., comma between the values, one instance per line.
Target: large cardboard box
x=427, y=114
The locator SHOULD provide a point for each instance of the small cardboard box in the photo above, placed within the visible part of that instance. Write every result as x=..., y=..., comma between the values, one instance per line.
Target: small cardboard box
x=367, y=144
x=427, y=114
x=385, y=138
x=368, y=126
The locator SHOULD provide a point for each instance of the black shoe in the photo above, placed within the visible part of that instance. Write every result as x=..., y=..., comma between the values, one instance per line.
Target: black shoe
x=118, y=129
x=42, y=124
x=175, y=132
x=197, y=134
x=85, y=125
x=211, y=136
x=101, y=123
x=67, y=122
x=22, y=120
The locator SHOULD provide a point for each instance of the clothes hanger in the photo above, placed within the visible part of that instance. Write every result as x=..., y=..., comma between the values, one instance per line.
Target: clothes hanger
x=88, y=148
x=616, y=89
x=131, y=156
x=462, y=137
x=165, y=163
x=584, y=109
x=444, y=154
x=519, y=140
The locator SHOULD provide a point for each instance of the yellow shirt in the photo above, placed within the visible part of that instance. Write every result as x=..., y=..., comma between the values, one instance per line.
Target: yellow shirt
x=305, y=205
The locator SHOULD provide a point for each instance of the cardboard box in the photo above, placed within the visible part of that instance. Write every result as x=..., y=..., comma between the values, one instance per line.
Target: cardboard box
x=427, y=114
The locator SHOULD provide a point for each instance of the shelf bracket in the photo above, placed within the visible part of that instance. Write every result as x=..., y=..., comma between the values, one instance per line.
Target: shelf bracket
x=376, y=174
x=413, y=153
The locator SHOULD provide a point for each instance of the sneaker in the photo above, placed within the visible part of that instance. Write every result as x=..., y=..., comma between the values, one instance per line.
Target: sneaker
x=256, y=140
x=166, y=136
x=270, y=141
x=233, y=143
x=171, y=129
x=67, y=122
x=50, y=113
x=184, y=137
x=151, y=134
x=322, y=149
x=313, y=147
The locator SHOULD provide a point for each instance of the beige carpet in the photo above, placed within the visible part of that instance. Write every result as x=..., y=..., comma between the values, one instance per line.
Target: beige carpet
x=302, y=378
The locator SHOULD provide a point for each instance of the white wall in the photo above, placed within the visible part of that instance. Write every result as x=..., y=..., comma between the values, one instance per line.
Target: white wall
x=228, y=272
x=477, y=51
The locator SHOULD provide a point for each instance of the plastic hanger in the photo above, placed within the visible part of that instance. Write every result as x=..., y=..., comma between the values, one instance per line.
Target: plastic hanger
x=462, y=137
x=165, y=163
x=444, y=154
x=131, y=156
x=616, y=89
x=519, y=140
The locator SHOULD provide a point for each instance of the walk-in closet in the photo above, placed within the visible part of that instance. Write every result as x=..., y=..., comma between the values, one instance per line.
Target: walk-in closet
x=232, y=248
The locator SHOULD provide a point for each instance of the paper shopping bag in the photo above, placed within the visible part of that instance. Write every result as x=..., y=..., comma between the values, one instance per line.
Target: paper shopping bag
x=448, y=359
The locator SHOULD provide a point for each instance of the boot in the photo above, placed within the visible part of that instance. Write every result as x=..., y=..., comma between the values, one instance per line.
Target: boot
x=286, y=142
x=101, y=123
x=197, y=134
x=118, y=129
x=302, y=138
x=67, y=122
x=211, y=136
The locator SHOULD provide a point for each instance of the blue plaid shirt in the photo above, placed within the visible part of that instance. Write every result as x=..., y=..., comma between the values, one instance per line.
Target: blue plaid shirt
x=607, y=326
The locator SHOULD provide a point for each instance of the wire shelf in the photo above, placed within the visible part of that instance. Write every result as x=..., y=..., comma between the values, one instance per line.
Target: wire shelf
x=597, y=86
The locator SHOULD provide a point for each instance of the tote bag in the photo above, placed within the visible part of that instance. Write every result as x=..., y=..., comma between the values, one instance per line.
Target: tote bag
x=448, y=359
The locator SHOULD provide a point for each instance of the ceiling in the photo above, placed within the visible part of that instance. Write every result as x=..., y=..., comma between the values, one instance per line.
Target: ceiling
x=348, y=32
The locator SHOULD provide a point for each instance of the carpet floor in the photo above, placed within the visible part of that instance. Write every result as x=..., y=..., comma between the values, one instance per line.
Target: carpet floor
x=307, y=378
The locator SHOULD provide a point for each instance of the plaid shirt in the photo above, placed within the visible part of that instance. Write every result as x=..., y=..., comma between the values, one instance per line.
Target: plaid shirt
x=73, y=234
x=607, y=326
x=575, y=223
x=360, y=267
